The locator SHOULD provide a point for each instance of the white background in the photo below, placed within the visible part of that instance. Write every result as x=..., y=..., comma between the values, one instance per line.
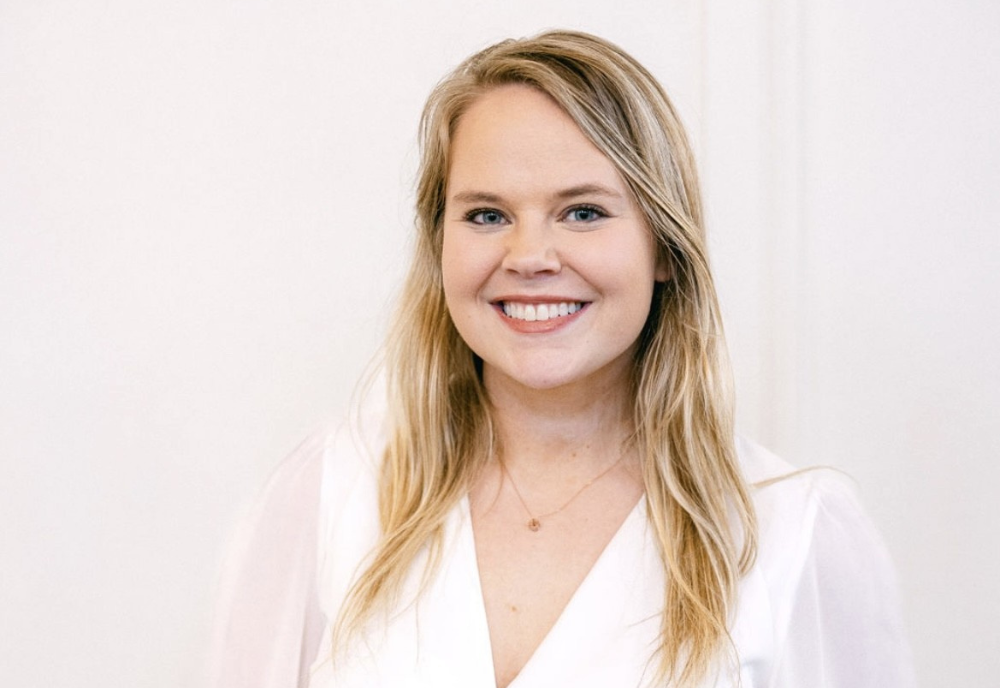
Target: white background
x=205, y=211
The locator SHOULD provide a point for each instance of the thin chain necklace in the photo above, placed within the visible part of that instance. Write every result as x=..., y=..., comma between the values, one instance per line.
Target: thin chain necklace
x=535, y=522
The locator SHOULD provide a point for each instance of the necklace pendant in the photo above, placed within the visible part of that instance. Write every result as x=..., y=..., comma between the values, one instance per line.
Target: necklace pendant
x=534, y=525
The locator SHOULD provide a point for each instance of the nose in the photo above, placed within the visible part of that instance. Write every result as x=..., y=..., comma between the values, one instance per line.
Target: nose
x=530, y=249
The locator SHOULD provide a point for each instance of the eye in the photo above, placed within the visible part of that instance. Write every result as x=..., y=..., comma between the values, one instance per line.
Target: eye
x=485, y=216
x=584, y=213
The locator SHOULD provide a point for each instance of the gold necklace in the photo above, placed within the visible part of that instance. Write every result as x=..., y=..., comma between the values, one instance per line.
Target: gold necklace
x=534, y=522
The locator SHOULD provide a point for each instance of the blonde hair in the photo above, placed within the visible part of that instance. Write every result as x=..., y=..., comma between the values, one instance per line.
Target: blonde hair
x=440, y=428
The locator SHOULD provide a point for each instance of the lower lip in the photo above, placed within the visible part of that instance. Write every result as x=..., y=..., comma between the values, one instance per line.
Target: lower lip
x=538, y=326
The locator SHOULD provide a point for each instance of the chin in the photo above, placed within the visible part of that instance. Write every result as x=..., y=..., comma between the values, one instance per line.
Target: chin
x=545, y=383
x=548, y=378
x=542, y=378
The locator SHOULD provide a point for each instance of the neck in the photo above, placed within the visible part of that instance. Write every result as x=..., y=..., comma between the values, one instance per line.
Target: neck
x=560, y=428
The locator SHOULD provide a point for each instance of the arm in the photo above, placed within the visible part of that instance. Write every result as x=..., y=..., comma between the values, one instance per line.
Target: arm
x=842, y=624
x=268, y=622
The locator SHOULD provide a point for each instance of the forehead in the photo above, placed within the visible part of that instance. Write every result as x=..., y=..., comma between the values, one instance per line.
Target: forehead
x=516, y=136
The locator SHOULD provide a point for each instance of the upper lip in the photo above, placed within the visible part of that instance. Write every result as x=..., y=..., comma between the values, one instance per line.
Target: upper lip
x=534, y=300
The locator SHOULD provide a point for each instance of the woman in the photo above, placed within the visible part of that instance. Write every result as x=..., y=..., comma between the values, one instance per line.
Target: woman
x=555, y=495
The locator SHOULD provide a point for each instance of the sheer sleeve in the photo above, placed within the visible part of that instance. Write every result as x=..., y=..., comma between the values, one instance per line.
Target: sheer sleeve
x=842, y=623
x=268, y=622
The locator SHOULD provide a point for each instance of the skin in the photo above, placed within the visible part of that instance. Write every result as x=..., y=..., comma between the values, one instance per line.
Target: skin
x=536, y=214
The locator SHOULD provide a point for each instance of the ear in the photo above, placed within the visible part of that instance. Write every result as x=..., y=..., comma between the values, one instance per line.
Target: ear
x=663, y=271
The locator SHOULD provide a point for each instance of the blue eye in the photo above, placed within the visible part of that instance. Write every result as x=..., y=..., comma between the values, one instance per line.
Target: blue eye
x=584, y=213
x=485, y=217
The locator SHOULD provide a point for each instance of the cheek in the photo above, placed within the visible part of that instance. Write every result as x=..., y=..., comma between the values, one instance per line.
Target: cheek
x=629, y=273
x=465, y=265
x=624, y=265
x=451, y=266
x=461, y=276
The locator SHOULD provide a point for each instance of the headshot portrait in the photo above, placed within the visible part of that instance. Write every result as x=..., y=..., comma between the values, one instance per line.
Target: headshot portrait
x=526, y=344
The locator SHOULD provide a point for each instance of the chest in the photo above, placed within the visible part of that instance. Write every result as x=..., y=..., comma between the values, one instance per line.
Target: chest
x=605, y=634
x=528, y=576
x=602, y=637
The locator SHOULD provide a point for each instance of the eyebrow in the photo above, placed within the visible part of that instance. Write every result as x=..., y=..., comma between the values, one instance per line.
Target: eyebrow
x=562, y=195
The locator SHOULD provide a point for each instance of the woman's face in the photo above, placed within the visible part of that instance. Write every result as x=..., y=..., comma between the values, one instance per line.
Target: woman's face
x=548, y=265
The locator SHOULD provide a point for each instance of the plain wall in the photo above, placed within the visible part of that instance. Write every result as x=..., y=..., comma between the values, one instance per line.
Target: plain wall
x=205, y=213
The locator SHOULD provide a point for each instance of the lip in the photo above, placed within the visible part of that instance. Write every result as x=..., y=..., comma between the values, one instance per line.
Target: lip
x=536, y=299
x=538, y=326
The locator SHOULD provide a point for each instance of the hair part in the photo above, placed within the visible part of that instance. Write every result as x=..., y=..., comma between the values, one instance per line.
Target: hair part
x=440, y=431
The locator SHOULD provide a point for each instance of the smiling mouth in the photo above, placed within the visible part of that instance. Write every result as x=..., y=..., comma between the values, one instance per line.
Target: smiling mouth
x=532, y=312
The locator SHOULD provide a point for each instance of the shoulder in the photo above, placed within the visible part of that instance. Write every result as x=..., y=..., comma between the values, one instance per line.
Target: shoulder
x=296, y=479
x=349, y=524
x=299, y=483
x=320, y=504
x=266, y=609
x=811, y=525
x=823, y=580
x=350, y=460
x=330, y=478
x=792, y=503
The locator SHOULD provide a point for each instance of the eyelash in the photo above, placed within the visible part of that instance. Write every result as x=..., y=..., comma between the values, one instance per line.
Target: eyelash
x=472, y=214
x=597, y=210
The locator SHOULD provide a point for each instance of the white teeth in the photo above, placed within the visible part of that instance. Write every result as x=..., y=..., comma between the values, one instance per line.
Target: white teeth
x=540, y=311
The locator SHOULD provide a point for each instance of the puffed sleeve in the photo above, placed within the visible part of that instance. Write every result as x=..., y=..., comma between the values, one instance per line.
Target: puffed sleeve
x=268, y=622
x=841, y=623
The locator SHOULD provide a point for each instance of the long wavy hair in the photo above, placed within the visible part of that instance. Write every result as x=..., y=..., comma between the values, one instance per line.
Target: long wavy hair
x=440, y=430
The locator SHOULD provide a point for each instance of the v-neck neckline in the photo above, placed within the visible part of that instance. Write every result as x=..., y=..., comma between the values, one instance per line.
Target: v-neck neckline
x=467, y=538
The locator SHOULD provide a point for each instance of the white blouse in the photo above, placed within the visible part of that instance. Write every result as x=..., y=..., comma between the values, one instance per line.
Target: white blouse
x=818, y=610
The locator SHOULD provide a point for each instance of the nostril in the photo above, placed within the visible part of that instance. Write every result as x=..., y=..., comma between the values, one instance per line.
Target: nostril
x=532, y=260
